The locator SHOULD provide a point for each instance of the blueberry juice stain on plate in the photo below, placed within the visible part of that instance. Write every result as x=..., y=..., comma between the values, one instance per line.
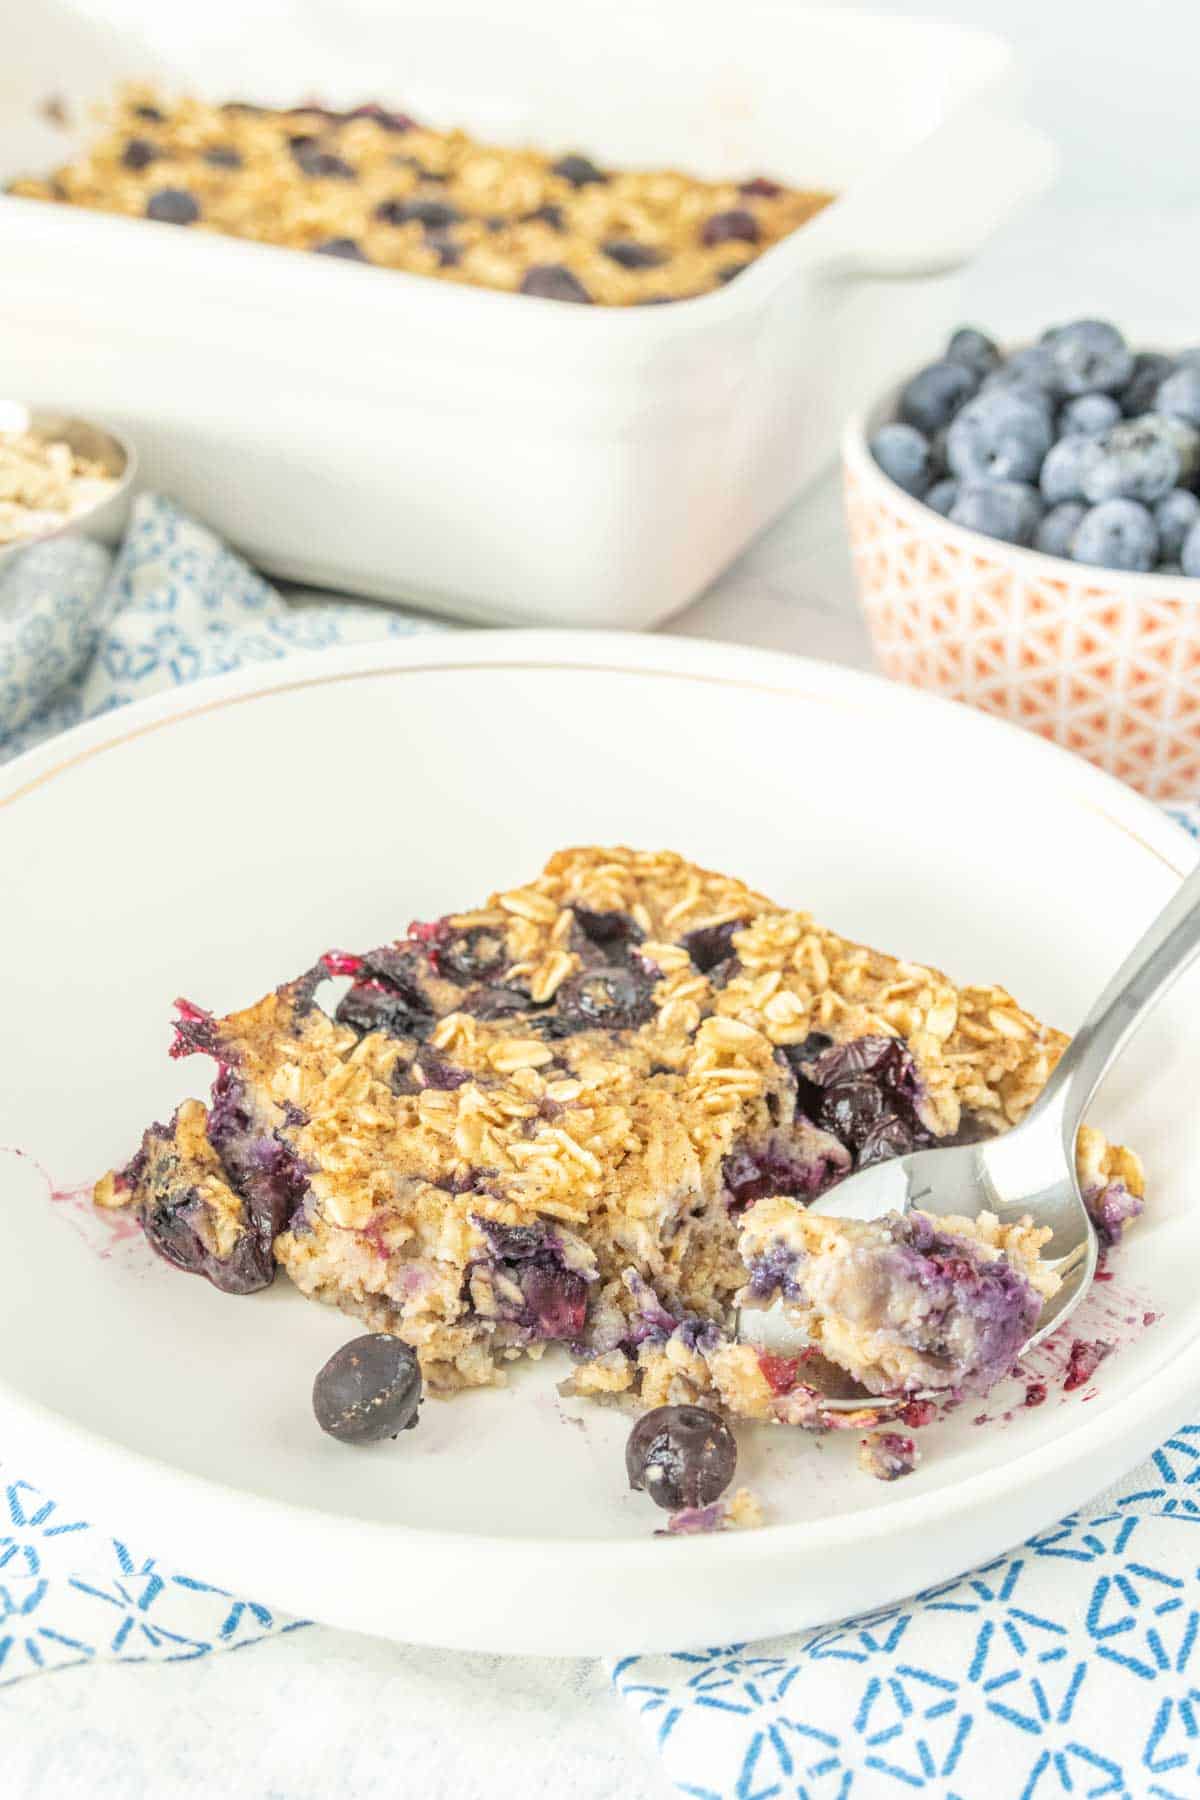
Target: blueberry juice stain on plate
x=102, y=1231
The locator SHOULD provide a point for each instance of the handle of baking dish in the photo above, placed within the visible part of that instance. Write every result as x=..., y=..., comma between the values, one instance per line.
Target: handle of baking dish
x=964, y=186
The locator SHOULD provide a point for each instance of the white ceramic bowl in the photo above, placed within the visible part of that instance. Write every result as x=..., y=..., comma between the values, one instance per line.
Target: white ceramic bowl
x=485, y=454
x=1103, y=663
x=211, y=841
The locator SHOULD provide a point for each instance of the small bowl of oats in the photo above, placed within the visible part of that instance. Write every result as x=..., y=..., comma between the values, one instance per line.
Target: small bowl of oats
x=59, y=473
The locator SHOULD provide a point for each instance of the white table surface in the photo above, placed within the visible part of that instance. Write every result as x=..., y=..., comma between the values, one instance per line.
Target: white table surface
x=325, y=1714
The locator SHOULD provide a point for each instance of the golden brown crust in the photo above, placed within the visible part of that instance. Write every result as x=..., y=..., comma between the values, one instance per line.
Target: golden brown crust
x=615, y=1141
x=500, y=195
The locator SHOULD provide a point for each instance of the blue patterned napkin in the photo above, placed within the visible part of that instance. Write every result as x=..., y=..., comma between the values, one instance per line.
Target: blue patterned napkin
x=1069, y=1668
x=82, y=631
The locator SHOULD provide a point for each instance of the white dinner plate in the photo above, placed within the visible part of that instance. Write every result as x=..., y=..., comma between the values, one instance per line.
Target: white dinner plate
x=212, y=841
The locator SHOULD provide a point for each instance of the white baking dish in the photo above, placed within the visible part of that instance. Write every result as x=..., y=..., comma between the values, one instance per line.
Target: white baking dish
x=492, y=455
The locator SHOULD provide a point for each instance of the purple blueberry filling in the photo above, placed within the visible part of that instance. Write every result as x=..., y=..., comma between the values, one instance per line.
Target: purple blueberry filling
x=263, y=1169
x=613, y=932
x=1000, y=1303
x=619, y=997
x=711, y=946
x=170, y=1221
x=653, y=1324
x=1110, y=1209
x=776, y=1168
x=773, y=1273
x=525, y=1282
x=864, y=1093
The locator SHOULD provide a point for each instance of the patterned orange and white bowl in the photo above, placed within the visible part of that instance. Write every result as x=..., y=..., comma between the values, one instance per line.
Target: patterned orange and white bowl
x=1104, y=663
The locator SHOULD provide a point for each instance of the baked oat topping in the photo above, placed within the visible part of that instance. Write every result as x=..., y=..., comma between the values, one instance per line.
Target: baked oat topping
x=551, y=1118
x=375, y=186
x=44, y=483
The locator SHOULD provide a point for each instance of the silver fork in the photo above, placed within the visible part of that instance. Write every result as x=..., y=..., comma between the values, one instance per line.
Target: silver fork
x=1030, y=1169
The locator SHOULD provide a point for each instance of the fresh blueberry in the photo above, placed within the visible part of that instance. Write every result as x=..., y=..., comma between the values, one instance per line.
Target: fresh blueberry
x=1150, y=370
x=139, y=153
x=1189, y=556
x=368, y=1390
x=1180, y=394
x=1185, y=438
x=1175, y=515
x=1136, y=462
x=222, y=156
x=632, y=255
x=1117, y=534
x=1053, y=536
x=1030, y=371
x=902, y=452
x=1008, y=510
x=1089, y=414
x=934, y=395
x=726, y=227
x=173, y=206
x=681, y=1456
x=1065, y=466
x=434, y=215
x=974, y=351
x=998, y=436
x=551, y=281
x=344, y=247
x=578, y=170
x=942, y=496
x=1089, y=355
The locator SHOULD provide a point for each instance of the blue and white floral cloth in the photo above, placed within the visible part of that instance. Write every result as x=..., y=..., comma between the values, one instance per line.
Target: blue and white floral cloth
x=1069, y=1668
x=82, y=631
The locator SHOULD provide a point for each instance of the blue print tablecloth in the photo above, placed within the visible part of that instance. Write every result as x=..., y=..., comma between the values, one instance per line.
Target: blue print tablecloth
x=1069, y=1668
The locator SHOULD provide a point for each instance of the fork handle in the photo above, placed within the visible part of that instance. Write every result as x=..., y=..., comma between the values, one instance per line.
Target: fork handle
x=1155, y=963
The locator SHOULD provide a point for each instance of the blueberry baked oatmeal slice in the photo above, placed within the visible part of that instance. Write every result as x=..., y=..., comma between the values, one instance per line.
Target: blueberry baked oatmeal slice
x=374, y=186
x=589, y=1113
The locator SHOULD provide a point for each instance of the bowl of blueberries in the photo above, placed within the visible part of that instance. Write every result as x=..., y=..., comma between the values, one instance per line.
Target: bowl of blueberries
x=1026, y=532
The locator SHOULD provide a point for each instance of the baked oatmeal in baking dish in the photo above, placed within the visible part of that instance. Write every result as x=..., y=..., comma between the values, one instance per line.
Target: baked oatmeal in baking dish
x=376, y=186
x=589, y=1113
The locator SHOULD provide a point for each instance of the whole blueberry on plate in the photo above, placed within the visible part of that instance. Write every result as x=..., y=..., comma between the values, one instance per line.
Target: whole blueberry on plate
x=902, y=452
x=1175, y=515
x=1089, y=356
x=974, y=350
x=1089, y=414
x=1180, y=394
x=1066, y=464
x=1008, y=510
x=933, y=396
x=1117, y=534
x=1058, y=526
x=998, y=436
x=681, y=1456
x=1136, y=462
x=368, y=1390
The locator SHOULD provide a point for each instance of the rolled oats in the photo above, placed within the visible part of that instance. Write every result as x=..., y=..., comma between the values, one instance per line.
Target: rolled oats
x=373, y=186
